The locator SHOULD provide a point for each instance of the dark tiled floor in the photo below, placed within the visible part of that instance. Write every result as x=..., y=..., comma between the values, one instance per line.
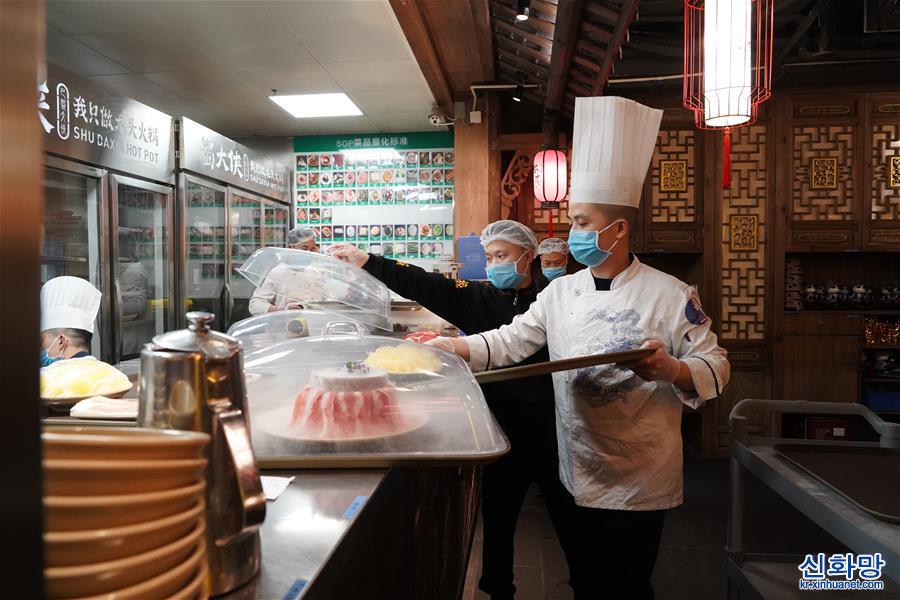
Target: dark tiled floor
x=690, y=565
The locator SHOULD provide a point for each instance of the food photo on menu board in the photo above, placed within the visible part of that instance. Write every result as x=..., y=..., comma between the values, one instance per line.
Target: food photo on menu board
x=402, y=192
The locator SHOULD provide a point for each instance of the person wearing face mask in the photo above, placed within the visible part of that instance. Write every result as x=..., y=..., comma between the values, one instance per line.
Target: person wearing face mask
x=273, y=295
x=69, y=307
x=619, y=426
x=554, y=254
x=523, y=408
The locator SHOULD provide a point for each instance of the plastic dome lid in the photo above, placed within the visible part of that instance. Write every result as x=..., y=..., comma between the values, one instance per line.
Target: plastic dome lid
x=323, y=283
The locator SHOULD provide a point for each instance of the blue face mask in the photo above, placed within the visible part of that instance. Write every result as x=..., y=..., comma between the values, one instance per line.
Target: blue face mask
x=552, y=273
x=505, y=276
x=585, y=249
x=47, y=360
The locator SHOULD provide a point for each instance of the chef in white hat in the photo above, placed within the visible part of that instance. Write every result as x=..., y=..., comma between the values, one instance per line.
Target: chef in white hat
x=69, y=307
x=619, y=426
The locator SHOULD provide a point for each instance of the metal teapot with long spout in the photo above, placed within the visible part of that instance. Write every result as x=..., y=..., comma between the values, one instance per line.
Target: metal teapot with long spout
x=193, y=379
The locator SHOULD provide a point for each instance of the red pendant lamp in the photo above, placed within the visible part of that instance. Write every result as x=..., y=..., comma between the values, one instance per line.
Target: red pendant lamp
x=550, y=180
x=727, y=64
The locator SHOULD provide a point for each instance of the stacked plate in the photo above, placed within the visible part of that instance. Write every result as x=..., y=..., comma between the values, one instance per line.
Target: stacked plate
x=124, y=513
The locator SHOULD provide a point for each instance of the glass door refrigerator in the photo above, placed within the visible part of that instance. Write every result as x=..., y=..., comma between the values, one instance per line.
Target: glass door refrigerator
x=109, y=174
x=233, y=201
x=74, y=235
x=142, y=267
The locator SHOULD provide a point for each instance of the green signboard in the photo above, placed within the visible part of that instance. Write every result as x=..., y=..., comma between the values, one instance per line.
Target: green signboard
x=418, y=140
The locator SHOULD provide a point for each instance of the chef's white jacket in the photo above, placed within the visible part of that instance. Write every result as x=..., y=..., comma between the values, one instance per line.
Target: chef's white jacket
x=283, y=285
x=619, y=436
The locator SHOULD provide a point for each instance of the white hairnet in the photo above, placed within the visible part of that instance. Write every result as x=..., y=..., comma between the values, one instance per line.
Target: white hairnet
x=551, y=245
x=509, y=231
x=301, y=234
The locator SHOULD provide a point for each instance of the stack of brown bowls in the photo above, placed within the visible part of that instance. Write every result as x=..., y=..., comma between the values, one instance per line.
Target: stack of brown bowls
x=124, y=513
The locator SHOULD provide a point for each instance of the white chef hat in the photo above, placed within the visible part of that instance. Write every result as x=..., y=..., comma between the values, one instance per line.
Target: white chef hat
x=69, y=303
x=612, y=145
x=551, y=245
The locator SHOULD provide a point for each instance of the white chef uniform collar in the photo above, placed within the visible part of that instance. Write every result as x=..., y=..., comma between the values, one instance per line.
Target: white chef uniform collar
x=612, y=146
x=69, y=303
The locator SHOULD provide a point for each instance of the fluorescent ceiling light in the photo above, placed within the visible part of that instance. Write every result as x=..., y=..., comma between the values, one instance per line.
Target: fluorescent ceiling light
x=307, y=106
x=364, y=154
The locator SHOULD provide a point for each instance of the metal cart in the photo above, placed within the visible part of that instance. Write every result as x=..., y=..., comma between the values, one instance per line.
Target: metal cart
x=774, y=576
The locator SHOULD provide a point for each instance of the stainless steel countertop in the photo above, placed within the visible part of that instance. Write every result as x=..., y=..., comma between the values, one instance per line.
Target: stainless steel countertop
x=303, y=527
x=855, y=528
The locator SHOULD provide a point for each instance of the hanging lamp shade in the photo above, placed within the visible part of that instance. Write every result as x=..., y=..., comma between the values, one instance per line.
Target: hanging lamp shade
x=727, y=60
x=550, y=177
x=727, y=64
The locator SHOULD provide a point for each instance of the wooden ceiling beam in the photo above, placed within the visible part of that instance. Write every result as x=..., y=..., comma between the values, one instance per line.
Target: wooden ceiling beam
x=592, y=51
x=481, y=13
x=534, y=39
x=421, y=41
x=602, y=34
x=539, y=72
x=800, y=32
x=515, y=46
x=564, y=39
x=586, y=63
x=620, y=31
x=607, y=15
x=510, y=14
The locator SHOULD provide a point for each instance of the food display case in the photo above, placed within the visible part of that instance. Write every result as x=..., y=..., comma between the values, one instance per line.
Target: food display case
x=273, y=328
x=366, y=401
x=321, y=283
x=345, y=398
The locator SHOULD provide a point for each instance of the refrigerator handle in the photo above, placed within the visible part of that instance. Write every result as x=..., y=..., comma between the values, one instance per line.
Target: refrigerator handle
x=118, y=338
x=227, y=305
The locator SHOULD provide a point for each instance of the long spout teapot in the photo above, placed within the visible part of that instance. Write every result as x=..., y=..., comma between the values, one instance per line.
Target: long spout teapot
x=193, y=379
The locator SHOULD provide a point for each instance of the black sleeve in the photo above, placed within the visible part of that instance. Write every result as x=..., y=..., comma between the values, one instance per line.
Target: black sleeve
x=447, y=298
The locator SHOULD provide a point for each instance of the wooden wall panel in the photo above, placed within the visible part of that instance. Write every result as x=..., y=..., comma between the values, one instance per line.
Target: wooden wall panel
x=673, y=195
x=477, y=172
x=823, y=173
x=885, y=155
x=744, y=237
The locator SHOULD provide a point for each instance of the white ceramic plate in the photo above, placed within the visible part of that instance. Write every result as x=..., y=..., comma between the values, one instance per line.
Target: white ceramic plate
x=276, y=423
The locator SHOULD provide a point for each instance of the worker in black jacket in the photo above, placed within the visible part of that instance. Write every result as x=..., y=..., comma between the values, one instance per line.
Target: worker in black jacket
x=524, y=408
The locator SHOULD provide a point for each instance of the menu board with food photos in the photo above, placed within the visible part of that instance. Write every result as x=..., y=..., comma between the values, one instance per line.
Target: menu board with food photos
x=391, y=202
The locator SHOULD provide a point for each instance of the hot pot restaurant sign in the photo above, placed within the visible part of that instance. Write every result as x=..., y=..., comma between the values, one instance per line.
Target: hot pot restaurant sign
x=206, y=152
x=81, y=121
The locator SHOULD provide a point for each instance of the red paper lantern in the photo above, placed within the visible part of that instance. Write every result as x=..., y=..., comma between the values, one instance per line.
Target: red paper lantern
x=727, y=64
x=550, y=174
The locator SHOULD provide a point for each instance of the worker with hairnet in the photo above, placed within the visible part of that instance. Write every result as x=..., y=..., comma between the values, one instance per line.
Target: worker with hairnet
x=522, y=407
x=274, y=294
x=554, y=255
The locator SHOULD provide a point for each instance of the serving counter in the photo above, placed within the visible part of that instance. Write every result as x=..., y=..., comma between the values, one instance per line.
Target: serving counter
x=399, y=533
x=751, y=575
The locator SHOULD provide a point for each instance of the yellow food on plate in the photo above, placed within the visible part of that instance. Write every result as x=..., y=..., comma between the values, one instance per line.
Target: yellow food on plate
x=404, y=359
x=81, y=377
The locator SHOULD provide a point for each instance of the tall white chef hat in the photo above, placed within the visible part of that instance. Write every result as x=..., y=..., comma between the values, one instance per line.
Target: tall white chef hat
x=612, y=145
x=69, y=303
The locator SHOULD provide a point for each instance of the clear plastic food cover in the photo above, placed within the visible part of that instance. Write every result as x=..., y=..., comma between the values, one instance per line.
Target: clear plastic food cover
x=272, y=328
x=363, y=401
x=322, y=283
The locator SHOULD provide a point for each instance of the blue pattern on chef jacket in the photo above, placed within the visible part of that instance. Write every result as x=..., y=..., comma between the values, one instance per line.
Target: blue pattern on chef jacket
x=602, y=384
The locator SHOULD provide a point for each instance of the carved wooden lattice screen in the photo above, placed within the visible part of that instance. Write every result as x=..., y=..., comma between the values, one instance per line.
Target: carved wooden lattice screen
x=823, y=173
x=885, y=201
x=744, y=238
x=672, y=173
